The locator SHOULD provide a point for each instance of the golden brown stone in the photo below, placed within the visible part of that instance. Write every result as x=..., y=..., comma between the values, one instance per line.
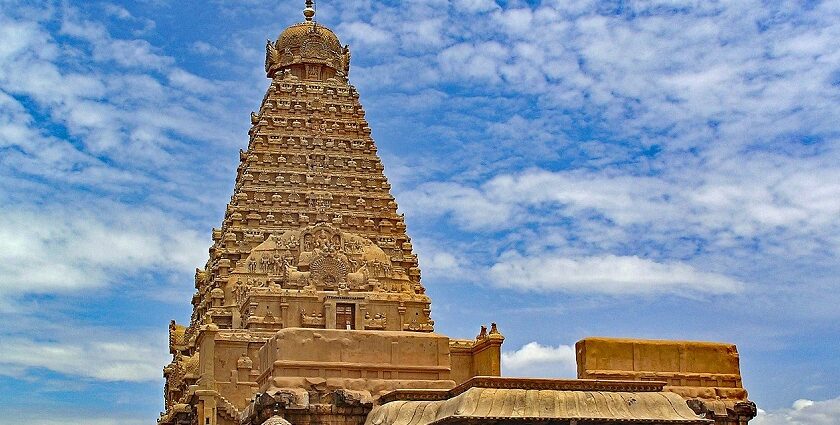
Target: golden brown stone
x=511, y=400
x=707, y=372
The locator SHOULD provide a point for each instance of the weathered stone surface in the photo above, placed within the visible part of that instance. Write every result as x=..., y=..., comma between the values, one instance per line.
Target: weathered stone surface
x=707, y=374
x=349, y=398
x=505, y=400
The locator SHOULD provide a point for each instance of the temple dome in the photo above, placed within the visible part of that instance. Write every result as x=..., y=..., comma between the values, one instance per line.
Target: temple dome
x=307, y=44
x=295, y=36
x=307, y=50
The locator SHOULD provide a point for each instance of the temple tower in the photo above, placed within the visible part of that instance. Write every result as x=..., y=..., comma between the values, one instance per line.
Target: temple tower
x=311, y=248
x=311, y=211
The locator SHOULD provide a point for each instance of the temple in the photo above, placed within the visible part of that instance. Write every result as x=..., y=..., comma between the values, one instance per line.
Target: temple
x=311, y=310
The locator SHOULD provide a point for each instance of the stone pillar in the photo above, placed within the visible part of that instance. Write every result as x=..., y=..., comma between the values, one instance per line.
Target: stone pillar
x=401, y=311
x=358, y=316
x=329, y=314
x=206, y=342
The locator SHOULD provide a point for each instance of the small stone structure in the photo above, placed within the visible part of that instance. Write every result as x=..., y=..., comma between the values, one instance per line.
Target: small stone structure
x=706, y=374
x=310, y=309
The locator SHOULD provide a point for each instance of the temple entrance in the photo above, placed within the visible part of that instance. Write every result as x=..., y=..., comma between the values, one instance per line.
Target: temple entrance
x=345, y=316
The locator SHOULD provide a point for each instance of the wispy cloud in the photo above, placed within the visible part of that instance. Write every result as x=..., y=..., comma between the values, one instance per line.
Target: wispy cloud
x=534, y=360
x=607, y=274
x=129, y=118
x=802, y=412
x=86, y=115
x=803, y=202
x=52, y=341
x=119, y=358
x=65, y=250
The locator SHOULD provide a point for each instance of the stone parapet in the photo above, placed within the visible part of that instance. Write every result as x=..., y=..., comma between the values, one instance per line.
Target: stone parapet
x=706, y=374
x=481, y=356
x=373, y=361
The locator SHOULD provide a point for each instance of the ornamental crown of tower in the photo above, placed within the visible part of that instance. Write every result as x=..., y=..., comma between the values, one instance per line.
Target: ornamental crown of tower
x=312, y=50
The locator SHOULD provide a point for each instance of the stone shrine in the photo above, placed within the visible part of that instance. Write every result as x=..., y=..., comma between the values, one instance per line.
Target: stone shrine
x=311, y=310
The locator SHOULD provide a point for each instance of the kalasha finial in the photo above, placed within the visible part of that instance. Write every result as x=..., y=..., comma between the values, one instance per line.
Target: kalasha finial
x=309, y=11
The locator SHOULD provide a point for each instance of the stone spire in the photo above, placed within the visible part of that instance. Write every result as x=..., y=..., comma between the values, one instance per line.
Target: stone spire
x=311, y=213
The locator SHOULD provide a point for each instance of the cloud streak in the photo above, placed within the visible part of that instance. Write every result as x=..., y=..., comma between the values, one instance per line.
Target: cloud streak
x=607, y=274
x=116, y=359
x=802, y=412
x=535, y=360
x=66, y=250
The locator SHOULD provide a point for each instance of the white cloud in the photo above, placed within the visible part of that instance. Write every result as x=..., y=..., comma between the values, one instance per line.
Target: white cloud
x=534, y=360
x=117, y=11
x=135, y=53
x=473, y=6
x=74, y=129
x=666, y=223
x=66, y=250
x=469, y=207
x=124, y=127
x=442, y=263
x=516, y=21
x=62, y=345
x=802, y=412
x=481, y=61
x=795, y=204
x=425, y=33
x=364, y=33
x=205, y=48
x=607, y=274
x=131, y=359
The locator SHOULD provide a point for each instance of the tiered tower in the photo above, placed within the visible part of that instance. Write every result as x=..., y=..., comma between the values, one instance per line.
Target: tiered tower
x=311, y=211
x=311, y=239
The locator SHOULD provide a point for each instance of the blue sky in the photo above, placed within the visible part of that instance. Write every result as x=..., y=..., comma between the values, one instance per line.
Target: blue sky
x=653, y=169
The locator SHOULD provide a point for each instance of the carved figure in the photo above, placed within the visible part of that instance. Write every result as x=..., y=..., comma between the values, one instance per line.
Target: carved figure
x=294, y=278
x=272, y=57
x=312, y=320
x=377, y=321
x=346, y=59
x=276, y=262
x=359, y=278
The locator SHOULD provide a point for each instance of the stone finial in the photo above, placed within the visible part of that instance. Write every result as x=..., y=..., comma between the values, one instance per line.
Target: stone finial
x=494, y=330
x=309, y=11
x=494, y=334
x=482, y=334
